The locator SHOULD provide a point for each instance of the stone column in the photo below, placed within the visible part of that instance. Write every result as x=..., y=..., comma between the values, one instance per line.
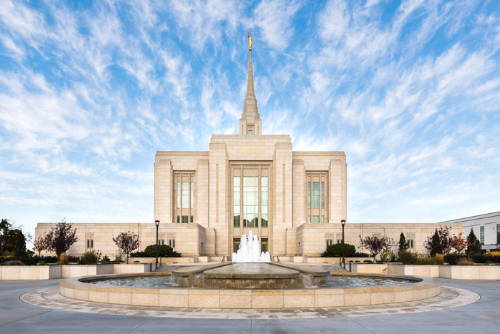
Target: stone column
x=163, y=190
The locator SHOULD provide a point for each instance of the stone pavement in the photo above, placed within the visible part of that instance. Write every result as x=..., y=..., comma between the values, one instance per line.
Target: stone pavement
x=482, y=316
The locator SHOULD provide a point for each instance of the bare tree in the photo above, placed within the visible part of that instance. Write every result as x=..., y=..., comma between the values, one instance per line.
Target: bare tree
x=127, y=242
x=375, y=244
x=61, y=237
x=40, y=244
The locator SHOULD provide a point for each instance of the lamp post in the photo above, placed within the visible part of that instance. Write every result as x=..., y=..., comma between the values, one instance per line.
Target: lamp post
x=343, y=239
x=157, y=223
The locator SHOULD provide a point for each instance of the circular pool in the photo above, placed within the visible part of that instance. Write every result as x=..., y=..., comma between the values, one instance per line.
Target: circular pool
x=167, y=281
x=172, y=290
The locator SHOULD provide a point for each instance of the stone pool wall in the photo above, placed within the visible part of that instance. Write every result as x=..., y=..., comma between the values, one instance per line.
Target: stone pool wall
x=247, y=298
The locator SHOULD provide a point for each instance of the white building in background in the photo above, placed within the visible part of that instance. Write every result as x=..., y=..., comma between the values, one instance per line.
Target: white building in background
x=486, y=228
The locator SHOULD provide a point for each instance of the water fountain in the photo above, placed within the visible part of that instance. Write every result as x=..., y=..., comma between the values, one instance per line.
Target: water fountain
x=250, y=281
x=250, y=251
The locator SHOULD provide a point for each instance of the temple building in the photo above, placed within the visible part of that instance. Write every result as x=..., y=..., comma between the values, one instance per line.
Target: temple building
x=205, y=200
x=250, y=182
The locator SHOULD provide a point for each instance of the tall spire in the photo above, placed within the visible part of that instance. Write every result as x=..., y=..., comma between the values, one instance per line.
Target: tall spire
x=250, y=90
x=250, y=123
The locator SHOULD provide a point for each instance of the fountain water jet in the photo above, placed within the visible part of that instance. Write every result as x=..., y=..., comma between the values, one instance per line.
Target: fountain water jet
x=249, y=250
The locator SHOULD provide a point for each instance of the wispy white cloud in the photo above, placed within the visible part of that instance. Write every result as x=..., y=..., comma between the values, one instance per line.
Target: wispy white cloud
x=274, y=19
x=410, y=93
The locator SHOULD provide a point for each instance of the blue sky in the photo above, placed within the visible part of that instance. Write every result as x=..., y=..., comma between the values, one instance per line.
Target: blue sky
x=90, y=90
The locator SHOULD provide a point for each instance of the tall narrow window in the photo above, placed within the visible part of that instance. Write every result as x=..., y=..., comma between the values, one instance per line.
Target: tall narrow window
x=264, y=197
x=184, y=197
x=316, y=197
x=89, y=237
x=236, y=201
x=481, y=234
x=250, y=185
x=250, y=201
x=498, y=234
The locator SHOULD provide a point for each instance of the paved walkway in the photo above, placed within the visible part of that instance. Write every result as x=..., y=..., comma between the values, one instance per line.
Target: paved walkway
x=482, y=316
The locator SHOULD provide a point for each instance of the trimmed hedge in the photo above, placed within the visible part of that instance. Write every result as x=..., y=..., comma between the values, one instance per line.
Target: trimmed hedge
x=336, y=250
x=157, y=250
x=485, y=258
x=453, y=259
x=34, y=260
x=407, y=257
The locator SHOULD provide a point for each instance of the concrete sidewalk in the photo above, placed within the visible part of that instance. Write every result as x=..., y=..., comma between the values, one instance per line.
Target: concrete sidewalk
x=482, y=316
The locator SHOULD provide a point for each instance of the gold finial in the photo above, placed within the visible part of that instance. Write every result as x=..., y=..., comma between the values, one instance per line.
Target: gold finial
x=249, y=42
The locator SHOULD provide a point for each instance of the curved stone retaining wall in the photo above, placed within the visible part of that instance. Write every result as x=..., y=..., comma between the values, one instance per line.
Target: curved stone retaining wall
x=246, y=298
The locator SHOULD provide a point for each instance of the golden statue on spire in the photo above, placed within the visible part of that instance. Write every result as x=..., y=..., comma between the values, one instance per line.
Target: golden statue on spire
x=249, y=42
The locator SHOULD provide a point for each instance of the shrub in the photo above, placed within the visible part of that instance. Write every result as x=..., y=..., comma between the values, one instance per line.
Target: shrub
x=160, y=251
x=375, y=244
x=453, y=259
x=45, y=259
x=138, y=254
x=493, y=253
x=473, y=245
x=440, y=242
x=439, y=259
x=424, y=260
x=458, y=243
x=387, y=255
x=464, y=262
x=407, y=257
x=484, y=258
x=403, y=244
x=90, y=257
x=30, y=260
x=359, y=254
x=367, y=261
x=13, y=263
x=345, y=250
x=105, y=259
x=63, y=258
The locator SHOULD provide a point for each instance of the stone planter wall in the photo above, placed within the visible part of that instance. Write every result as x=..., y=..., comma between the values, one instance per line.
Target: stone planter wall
x=67, y=271
x=366, y=268
x=414, y=270
x=75, y=270
x=24, y=272
x=475, y=272
x=131, y=268
x=470, y=272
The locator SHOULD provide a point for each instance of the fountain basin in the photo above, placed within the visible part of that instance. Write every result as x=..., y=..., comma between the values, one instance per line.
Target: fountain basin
x=256, y=275
x=217, y=298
